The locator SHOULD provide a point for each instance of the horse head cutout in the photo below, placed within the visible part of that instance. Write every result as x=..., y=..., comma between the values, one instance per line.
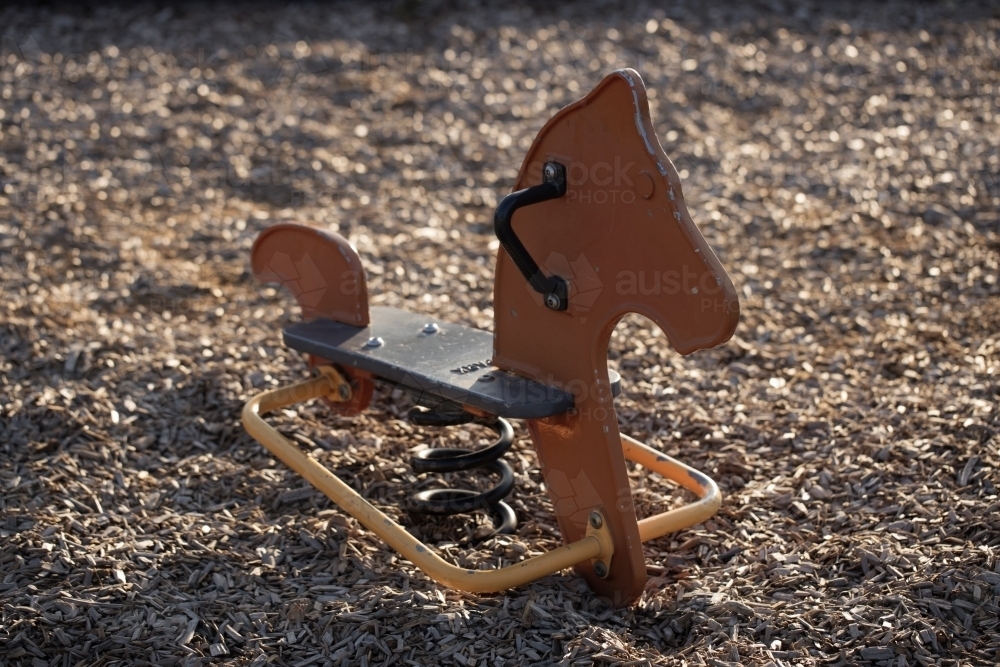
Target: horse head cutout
x=621, y=239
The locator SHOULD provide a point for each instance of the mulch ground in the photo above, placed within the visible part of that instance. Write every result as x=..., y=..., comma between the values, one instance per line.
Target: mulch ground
x=843, y=162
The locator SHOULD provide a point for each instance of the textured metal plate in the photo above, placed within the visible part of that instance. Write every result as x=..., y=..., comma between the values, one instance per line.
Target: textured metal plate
x=451, y=364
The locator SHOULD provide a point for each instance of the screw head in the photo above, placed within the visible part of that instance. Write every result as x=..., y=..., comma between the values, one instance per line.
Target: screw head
x=550, y=172
x=552, y=301
x=431, y=328
x=596, y=520
x=375, y=341
x=600, y=569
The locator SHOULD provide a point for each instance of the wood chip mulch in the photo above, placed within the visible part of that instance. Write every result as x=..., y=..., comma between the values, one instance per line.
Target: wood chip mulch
x=843, y=161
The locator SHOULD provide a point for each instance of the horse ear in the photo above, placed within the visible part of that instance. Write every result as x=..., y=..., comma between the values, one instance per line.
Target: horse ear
x=621, y=95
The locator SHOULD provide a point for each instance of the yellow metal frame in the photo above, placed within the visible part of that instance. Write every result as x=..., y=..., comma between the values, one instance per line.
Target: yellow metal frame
x=597, y=546
x=703, y=486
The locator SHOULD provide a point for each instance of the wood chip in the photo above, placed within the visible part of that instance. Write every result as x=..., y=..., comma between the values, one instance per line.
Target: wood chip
x=842, y=161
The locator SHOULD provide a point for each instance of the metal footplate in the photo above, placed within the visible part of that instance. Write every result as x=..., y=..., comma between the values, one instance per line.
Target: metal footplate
x=436, y=361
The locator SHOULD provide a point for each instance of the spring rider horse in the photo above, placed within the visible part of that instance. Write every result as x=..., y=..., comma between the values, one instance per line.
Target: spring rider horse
x=599, y=202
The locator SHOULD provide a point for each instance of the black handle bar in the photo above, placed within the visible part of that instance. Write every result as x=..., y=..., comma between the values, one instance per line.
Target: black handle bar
x=553, y=288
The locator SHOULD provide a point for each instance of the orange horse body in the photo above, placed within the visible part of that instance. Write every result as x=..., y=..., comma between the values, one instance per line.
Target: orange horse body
x=623, y=241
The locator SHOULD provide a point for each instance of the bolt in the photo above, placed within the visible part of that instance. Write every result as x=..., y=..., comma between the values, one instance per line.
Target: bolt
x=550, y=172
x=375, y=341
x=431, y=328
x=600, y=569
x=487, y=378
x=552, y=302
x=596, y=520
x=344, y=391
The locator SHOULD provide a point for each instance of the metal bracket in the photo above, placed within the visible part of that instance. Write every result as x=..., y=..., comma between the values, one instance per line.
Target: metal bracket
x=342, y=387
x=598, y=527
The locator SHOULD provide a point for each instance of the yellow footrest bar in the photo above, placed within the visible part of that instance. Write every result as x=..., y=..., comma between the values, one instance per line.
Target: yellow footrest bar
x=596, y=546
x=709, y=497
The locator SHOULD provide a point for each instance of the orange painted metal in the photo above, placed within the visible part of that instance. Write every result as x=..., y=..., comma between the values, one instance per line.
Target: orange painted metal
x=323, y=272
x=333, y=288
x=623, y=239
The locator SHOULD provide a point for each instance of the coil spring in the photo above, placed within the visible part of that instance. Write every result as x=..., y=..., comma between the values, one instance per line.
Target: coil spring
x=445, y=502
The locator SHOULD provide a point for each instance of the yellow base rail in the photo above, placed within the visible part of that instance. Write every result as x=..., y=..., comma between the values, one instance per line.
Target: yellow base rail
x=709, y=497
x=597, y=546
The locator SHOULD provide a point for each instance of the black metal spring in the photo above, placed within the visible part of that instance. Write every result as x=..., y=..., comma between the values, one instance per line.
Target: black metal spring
x=445, y=502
